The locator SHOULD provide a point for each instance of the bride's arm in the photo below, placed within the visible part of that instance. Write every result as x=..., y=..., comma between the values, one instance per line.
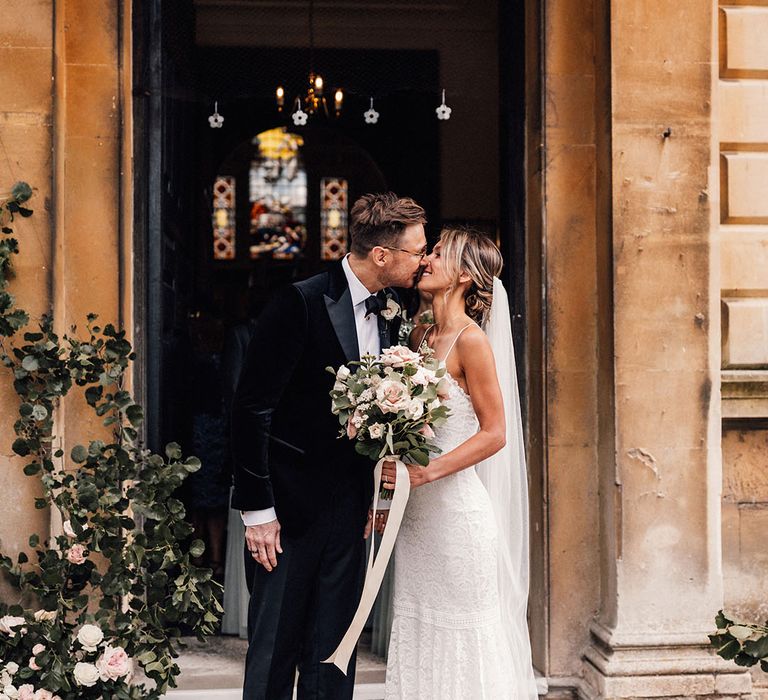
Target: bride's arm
x=476, y=358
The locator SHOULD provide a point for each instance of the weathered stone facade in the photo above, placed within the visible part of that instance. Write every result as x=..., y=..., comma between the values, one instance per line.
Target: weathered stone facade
x=647, y=307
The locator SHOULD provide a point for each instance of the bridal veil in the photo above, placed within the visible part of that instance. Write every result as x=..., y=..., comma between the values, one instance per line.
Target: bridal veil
x=505, y=477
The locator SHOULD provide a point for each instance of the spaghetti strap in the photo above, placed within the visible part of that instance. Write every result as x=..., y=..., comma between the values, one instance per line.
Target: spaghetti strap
x=445, y=359
x=426, y=333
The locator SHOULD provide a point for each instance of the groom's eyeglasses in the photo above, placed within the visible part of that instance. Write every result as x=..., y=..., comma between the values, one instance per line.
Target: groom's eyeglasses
x=420, y=255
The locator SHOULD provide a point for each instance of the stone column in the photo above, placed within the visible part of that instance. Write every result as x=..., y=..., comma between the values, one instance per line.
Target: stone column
x=659, y=496
x=87, y=195
x=26, y=112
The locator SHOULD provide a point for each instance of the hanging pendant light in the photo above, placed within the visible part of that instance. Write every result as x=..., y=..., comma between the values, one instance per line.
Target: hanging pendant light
x=313, y=101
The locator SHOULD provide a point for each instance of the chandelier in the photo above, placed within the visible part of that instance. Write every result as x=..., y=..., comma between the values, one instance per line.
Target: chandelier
x=314, y=100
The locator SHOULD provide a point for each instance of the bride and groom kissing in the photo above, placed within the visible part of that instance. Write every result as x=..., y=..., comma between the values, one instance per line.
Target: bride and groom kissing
x=461, y=557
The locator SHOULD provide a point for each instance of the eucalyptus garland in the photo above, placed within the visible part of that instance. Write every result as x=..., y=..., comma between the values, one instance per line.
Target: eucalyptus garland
x=99, y=610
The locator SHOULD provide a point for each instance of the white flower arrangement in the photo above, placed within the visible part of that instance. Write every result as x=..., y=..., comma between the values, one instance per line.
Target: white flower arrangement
x=91, y=663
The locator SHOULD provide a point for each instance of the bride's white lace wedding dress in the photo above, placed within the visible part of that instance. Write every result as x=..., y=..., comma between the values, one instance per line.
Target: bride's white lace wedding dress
x=448, y=641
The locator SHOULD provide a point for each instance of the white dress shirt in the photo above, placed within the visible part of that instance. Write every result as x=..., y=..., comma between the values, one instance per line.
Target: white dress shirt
x=368, y=343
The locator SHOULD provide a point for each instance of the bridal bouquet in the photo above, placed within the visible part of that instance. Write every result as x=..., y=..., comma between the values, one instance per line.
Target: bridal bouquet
x=390, y=404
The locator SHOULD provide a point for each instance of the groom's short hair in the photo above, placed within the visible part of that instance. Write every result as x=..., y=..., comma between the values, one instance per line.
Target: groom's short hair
x=379, y=219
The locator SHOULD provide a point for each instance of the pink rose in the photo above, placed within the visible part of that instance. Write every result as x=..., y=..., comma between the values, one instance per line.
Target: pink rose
x=114, y=663
x=427, y=432
x=26, y=692
x=392, y=396
x=37, y=649
x=77, y=554
x=43, y=694
x=398, y=356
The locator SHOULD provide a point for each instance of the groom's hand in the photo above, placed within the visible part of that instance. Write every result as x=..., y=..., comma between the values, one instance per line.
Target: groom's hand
x=381, y=522
x=264, y=543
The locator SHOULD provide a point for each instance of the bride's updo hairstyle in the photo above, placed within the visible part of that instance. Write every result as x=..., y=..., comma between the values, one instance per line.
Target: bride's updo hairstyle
x=471, y=251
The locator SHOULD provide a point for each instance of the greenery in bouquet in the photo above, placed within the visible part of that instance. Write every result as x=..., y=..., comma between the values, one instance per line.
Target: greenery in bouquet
x=87, y=613
x=390, y=405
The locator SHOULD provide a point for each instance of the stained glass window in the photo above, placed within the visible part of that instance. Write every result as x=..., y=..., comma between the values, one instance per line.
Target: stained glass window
x=224, y=218
x=278, y=196
x=333, y=218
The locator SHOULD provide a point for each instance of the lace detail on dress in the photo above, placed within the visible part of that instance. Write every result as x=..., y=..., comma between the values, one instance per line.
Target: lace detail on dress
x=447, y=641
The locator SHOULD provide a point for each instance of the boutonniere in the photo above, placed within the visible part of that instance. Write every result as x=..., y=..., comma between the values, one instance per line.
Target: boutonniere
x=391, y=310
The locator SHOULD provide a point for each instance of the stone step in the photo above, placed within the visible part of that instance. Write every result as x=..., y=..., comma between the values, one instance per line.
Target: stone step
x=364, y=691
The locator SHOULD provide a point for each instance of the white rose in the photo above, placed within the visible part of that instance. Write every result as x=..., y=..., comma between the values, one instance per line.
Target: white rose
x=5, y=678
x=86, y=674
x=12, y=667
x=11, y=691
x=415, y=409
x=423, y=376
x=338, y=386
x=343, y=373
x=68, y=531
x=45, y=615
x=90, y=636
x=393, y=308
x=376, y=430
x=8, y=622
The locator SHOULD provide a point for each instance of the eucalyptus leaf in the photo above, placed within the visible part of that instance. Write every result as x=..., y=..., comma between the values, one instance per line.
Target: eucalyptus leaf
x=30, y=363
x=79, y=454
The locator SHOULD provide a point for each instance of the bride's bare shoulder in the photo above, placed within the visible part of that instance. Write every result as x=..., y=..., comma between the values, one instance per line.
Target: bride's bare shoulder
x=473, y=346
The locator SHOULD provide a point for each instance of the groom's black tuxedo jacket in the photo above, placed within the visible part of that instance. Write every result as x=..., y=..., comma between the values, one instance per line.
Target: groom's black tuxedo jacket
x=285, y=447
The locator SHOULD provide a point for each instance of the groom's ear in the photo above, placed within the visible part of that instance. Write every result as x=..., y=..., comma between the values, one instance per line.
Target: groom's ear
x=379, y=255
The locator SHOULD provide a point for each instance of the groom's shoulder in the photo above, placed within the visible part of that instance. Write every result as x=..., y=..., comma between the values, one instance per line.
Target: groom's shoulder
x=331, y=281
x=313, y=285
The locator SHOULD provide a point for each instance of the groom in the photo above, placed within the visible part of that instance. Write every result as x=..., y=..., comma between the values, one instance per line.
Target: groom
x=304, y=494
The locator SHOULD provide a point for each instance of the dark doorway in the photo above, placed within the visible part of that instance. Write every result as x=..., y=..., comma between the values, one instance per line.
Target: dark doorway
x=192, y=55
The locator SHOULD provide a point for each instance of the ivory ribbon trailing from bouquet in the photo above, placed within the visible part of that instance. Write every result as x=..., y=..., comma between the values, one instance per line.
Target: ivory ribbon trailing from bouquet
x=375, y=570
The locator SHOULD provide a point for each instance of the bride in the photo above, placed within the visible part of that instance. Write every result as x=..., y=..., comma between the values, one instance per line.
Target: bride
x=461, y=562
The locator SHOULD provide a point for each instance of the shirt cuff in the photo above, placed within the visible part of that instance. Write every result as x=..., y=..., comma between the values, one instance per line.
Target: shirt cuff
x=258, y=517
x=383, y=504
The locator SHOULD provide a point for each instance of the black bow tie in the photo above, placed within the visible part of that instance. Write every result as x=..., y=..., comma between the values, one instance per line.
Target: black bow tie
x=375, y=304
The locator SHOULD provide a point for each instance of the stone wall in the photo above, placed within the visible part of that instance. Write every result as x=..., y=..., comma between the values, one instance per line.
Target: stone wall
x=743, y=161
x=62, y=122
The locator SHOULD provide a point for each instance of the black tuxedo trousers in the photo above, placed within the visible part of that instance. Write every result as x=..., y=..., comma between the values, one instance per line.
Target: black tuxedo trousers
x=287, y=455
